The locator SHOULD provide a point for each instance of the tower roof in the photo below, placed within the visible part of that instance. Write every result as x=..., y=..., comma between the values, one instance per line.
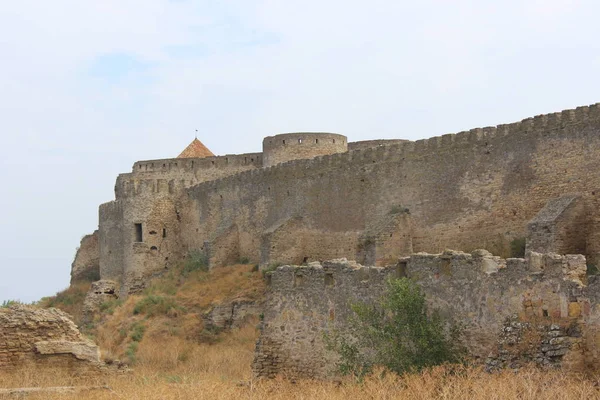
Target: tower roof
x=196, y=150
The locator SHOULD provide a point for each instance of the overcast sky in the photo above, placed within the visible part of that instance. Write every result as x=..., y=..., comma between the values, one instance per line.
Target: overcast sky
x=89, y=87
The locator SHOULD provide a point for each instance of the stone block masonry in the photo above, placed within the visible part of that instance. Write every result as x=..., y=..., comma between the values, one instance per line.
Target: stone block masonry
x=482, y=292
x=44, y=338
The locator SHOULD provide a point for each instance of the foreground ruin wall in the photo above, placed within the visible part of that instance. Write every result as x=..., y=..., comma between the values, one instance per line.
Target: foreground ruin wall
x=475, y=189
x=44, y=338
x=481, y=292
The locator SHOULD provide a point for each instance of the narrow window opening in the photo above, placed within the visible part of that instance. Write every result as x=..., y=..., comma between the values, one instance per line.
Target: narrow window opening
x=140, y=166
x=329, y=279
x=154, y=248
x=545, y=312
x=402, y=266
x=252, y=160
x=152, y=232
x=317, y=141
x=139, y=237
x=213, y=163
x=284, y=141
x=164, y=232
x=192, y=164
x=333, y=140
x=164, y=165
x=226, y=160
x=245, y=160
x=304, y=260
x=298, y=280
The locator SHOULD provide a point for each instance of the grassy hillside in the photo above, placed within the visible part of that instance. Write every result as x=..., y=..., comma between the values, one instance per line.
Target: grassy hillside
x=165, y=321
x=173, y=356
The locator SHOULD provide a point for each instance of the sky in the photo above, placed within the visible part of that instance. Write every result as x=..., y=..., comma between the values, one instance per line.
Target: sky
x=89, y=87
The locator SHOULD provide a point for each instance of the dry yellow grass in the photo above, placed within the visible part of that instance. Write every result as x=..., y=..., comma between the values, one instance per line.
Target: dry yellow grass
x=181, y=327
x=173, y=364
x=222, y=371
x=69, y=300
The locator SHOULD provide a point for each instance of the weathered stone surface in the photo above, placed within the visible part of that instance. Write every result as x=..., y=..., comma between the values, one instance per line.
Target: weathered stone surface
x=86, y=265
x=100, y=292
x=512, y=312
x=19, y=392
x=542, y=343
x=232, y=314
x=560, y=227
x=85, y=351
x=45, y=338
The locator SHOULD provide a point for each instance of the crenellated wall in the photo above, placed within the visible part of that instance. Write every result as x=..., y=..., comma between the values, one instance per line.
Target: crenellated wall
x=478, y=291
x=474, y=189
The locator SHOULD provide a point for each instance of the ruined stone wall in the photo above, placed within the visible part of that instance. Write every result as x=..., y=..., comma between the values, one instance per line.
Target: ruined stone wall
x=475, y=189
x=479, y=291
x=86, y=265
x=303, y=145
x=46, y=338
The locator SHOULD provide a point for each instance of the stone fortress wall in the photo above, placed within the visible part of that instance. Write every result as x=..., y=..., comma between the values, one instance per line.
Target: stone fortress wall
x=475, y=189
x=489, y=296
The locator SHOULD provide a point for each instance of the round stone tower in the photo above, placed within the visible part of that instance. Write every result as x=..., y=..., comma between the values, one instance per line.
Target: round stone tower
x=301, y=145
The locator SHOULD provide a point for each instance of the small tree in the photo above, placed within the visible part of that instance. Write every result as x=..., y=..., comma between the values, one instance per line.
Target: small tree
x=397, y=333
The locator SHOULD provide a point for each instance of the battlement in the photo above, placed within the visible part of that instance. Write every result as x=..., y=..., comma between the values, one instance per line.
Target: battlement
x=302, y=145
x=165, y=166
x=561, y=124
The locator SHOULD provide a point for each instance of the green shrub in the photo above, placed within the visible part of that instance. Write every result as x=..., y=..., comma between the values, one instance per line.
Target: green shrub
x=108, y=307
x=592, y=269
x=397, y=333
x=137, y=332
x=8, y=303
x=152, y=305
x=244, y=260
x=517, y=247
x=272, y=267
x=195, y=261
x=132, y=351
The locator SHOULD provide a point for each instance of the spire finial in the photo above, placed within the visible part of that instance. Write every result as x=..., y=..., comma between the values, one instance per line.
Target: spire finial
x=196, y=133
